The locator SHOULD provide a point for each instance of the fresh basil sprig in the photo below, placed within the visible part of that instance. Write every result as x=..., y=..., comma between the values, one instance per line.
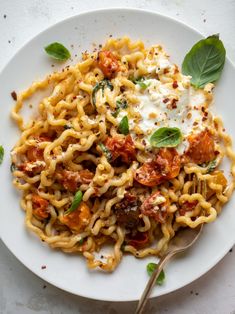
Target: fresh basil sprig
x=151, y=268
x=101, y=85
x=76, y=201
x=166, y=137
x=1, y=154
x=57, y=51
x=205, y=61
x=120, y=104
x=106, y=151
x=124, y=126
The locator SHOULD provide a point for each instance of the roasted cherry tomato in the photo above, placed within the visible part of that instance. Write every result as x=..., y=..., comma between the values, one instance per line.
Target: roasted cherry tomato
x=71, y=180
x=187, y=206
x=155, y=206
x=40, y=206
x=79, y=218
x=201, y=148
x=139, y=240
x=165, y=166
x=127, y=211
x=31, y=168
x=34, y=153
x=108, y=63
x=123, y=147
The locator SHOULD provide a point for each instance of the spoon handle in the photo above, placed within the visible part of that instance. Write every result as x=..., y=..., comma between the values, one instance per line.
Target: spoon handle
x=151, y=283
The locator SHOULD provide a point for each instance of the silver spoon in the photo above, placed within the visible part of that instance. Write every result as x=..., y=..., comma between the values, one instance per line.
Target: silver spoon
x=183, y=240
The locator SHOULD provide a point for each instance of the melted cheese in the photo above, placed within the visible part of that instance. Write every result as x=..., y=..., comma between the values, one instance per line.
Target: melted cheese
x=165, y=103
x=156, y=112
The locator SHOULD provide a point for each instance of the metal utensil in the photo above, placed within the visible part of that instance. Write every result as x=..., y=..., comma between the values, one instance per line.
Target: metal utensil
x=184, y=239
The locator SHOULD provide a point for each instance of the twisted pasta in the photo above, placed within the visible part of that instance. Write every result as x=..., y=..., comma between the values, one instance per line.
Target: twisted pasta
x=134, y=196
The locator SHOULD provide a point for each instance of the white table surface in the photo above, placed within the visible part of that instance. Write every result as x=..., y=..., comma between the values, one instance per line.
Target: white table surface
x=21, y=292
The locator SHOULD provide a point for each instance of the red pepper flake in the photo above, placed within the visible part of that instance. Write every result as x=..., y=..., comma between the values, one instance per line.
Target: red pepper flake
x=165, y=100
x=174, y=105
x=176, y=70
x=14, y=95
x=203, y=109
x=43, y=267
x=175, y=84
x=166, y=71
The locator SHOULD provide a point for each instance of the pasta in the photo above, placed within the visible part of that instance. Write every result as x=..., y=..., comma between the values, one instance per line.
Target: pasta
x=90, y=139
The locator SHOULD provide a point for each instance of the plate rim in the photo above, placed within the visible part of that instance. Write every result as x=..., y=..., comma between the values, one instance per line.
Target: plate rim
x=4, y=68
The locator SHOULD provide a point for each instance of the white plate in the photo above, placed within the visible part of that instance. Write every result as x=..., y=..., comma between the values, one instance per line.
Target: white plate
x=69, y=272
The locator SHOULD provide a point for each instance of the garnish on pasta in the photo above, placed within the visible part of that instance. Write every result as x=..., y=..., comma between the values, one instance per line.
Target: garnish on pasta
x=113, y=153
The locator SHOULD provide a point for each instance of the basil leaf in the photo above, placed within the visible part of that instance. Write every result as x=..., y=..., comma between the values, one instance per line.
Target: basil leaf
x=57, y=51
x=141, y=82
x=166, y=137
x=76, y=201
x=151, y=268
x=116, y=112
x=124, y=126
x=80, y=242
x=13, y=167
x=120, y=104
x=1, y=154
x=101, y=85
x=106, y=151
x=68, y=126
x=211, y=166
x=205, y=61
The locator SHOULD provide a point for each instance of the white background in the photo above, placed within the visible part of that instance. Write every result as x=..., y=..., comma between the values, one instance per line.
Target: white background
x=21, y=292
